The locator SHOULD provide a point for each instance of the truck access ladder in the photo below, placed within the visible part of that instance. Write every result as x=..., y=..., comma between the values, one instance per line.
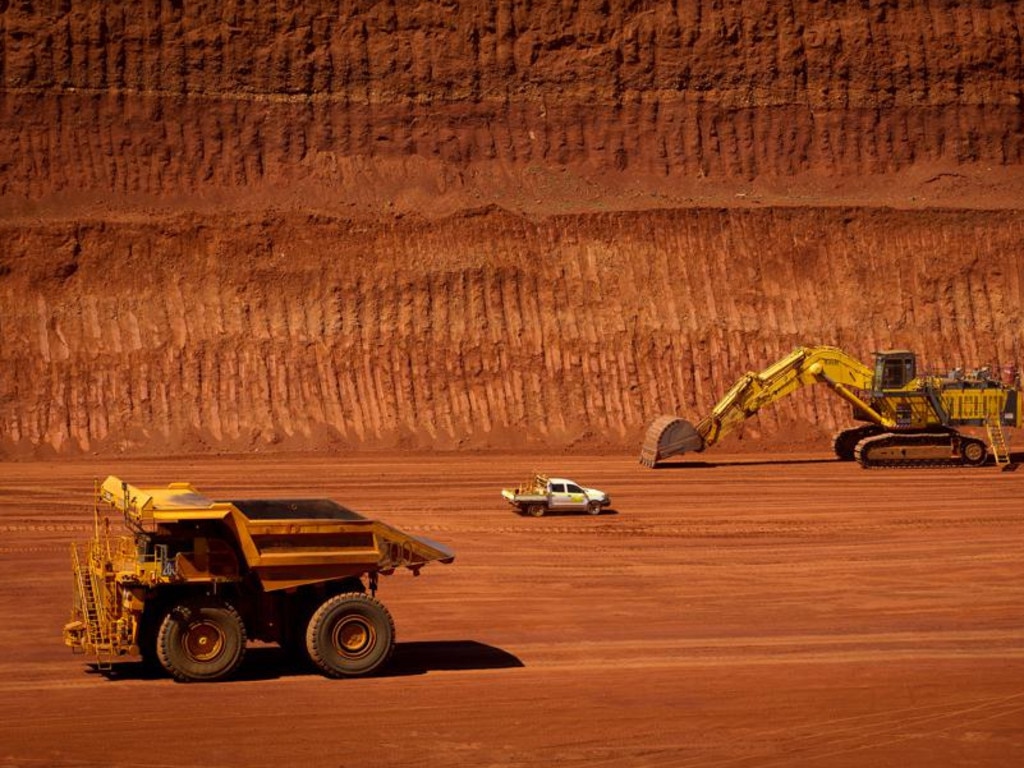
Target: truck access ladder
x=997, y=439
x=96, y=635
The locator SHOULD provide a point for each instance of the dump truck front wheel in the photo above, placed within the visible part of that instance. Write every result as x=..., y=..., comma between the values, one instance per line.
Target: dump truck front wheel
x=350, y=635
x=201, y=640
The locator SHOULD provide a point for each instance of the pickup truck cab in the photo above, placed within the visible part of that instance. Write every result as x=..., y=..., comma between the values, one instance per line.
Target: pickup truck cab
x=541, y=494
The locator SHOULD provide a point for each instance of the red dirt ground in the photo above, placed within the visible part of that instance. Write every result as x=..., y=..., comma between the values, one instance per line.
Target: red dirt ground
x=509, y=233
x=737, y=611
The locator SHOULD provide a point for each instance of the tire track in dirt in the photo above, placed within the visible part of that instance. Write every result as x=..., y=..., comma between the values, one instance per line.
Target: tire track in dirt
x=821, y=740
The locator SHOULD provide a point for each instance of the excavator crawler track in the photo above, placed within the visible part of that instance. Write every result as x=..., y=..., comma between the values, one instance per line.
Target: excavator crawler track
x=845, y=443
x=922, y=450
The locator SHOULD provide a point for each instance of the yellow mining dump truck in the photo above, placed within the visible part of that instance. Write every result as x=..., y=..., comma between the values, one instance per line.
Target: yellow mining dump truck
x=186, y=581
x=907, y=419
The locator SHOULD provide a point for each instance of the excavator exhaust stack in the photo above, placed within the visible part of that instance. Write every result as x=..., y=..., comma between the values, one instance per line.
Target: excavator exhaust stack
x=669, y=436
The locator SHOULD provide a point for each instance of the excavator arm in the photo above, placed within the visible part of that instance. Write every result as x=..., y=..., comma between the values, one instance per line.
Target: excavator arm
x=669, y=435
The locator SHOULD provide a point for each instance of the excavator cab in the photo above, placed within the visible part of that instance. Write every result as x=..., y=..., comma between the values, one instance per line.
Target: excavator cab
x=894, y=369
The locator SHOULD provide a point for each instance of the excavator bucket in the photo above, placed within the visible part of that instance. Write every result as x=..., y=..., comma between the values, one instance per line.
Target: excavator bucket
x=669, y=436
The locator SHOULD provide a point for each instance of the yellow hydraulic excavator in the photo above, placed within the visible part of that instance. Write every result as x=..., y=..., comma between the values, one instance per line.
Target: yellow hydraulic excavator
x=910, y=420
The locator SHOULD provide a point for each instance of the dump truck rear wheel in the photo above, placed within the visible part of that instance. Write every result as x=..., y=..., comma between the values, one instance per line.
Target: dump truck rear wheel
x=350, y=635
x=201, y=640
x=535, y=510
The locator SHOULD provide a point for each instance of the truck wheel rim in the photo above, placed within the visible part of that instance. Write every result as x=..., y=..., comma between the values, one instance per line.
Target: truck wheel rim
x=203, y=641
x=353, y=637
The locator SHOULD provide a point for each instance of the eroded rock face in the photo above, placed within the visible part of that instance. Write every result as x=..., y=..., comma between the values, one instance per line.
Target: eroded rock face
x=488, y=330
x=446, y=98
x=255, y=226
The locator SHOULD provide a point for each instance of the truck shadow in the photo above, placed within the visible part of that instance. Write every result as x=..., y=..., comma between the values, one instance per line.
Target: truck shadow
x=418, y=658
x=270, y=662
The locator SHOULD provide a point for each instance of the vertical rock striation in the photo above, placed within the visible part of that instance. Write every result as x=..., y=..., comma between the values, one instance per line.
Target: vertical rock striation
x=484, y=330
x=277, y=225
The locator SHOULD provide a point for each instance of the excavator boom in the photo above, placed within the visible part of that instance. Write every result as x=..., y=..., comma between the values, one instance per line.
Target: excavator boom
x=671, y=436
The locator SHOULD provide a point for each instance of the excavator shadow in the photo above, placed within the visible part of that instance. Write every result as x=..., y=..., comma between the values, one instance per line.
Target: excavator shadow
x=1016, y=459
x=689, y=465
x=270, y=662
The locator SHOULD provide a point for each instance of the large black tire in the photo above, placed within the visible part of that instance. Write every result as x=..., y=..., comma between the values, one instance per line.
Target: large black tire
x=201, y=640
x=295, y=616
x=350, y=635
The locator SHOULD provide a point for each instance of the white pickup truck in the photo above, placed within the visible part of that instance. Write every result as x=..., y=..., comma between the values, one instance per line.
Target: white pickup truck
x=542, y=494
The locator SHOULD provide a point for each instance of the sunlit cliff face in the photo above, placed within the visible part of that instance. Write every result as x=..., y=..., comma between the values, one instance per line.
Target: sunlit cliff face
x=463, y=226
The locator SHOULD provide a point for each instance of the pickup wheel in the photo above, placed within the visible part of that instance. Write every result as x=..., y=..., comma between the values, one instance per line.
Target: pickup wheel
x=350, y=635
x=594, y=508
x=201, y=640
x=535, y=510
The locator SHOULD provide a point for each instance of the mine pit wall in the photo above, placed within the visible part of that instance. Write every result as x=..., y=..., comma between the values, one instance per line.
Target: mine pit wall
x=268, y=226
x=481, y=330
x=402, y=102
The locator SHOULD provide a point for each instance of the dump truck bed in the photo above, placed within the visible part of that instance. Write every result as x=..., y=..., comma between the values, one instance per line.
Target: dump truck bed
x=286, y=542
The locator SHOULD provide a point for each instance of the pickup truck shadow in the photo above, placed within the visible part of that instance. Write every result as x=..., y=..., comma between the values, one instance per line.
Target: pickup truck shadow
x=573, y=513
x=270, y=662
